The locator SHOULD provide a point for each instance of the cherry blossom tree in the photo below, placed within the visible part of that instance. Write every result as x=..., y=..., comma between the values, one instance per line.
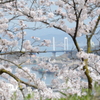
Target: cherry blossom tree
x=84, y=14
x=15, y=19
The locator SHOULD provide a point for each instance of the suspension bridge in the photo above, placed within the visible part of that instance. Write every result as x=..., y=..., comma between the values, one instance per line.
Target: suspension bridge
x=65, y=47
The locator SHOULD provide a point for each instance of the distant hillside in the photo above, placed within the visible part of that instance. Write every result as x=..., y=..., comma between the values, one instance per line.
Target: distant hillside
x=68, y=56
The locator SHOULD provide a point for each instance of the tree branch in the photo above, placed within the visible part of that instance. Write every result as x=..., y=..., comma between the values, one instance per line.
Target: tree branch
x=15, y=77
x=21, y=52
x=95, y=27
x=3, y=2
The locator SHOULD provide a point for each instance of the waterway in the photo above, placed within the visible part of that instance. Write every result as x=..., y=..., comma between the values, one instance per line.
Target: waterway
x=47, y=76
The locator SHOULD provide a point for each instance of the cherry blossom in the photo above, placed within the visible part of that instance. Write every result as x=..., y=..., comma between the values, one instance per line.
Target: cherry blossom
x=74, y=17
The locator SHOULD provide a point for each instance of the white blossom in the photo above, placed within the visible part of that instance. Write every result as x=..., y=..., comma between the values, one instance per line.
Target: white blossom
x=50, y=15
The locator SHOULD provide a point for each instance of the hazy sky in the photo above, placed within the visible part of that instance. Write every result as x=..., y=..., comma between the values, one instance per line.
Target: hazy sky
x=49, y=33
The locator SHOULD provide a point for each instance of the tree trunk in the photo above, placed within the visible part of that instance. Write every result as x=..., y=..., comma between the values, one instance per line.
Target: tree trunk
x=89, y=79
x=87, y=74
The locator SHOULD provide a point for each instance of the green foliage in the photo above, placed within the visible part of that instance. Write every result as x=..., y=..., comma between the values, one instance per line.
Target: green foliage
x=14, y=96
x=91, y=95
x=94, y=96
x=63, y=93
x=48, y=99
x=63, y=99
x=75, y=97
x=96, y=91
x=29, y=96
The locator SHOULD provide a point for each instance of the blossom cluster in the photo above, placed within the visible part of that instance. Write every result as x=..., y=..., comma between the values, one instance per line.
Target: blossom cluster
x=49, y=66
x=93, y=64
x=75, y=17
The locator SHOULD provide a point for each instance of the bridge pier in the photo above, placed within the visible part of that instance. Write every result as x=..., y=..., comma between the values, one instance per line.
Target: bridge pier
x=65, y=51
x=54, y=54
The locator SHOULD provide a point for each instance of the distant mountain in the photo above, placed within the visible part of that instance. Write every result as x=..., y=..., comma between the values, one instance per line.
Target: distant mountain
x=49, y=33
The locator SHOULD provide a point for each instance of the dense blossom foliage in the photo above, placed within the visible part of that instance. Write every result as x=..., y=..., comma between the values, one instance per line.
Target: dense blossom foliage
x=74, y=17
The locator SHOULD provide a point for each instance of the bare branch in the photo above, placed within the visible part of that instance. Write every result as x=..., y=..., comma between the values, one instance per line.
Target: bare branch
x=21, y=52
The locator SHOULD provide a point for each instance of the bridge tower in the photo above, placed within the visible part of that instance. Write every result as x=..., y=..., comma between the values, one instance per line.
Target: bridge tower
x=54, y=53
x=53, y=43
x=65, y=43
